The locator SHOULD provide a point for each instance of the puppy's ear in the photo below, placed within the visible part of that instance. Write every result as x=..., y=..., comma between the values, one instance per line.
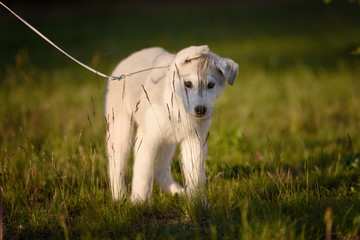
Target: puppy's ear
x=228, y=68
x=190, y=53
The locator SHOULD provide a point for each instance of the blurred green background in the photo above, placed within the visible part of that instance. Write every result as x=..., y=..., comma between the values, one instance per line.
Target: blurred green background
x=264, y=34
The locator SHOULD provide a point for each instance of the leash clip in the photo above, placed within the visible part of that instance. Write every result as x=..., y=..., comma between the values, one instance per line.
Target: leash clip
x=112, y=78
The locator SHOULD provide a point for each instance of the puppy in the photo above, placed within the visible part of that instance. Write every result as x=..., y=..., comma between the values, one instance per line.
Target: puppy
x=167, y=106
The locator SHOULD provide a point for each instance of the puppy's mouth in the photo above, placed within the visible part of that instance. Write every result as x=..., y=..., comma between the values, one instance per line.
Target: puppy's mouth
x=202, y=116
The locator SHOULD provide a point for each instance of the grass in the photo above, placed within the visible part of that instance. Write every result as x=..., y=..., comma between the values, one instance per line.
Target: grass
x=284, y=156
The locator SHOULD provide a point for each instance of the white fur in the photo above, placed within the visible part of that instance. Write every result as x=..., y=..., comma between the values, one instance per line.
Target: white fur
x=163, y=110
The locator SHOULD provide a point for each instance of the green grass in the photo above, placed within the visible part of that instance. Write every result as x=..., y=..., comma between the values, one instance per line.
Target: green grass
x=284, y=145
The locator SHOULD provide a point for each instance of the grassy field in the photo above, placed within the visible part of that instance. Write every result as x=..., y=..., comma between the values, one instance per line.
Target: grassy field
x=284, y=147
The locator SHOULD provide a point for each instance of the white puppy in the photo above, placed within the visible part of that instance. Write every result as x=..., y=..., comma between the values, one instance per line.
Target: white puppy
x=167, y=106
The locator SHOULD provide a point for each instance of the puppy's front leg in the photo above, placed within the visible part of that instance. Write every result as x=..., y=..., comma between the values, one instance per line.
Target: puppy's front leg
x=193, y=158
x=162, y=169
x=145, y=152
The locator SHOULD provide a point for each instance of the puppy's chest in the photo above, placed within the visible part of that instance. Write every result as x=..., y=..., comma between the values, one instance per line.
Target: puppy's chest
x=177, y=128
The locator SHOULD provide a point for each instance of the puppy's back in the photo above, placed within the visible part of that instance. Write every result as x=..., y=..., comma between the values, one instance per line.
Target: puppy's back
x=138, y=61
x=143, y=59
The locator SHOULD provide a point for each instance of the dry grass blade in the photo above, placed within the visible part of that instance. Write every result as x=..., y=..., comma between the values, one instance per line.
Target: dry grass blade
x=146, y=94
x=1, y=216
x=137, y=106
x=167, y=106
x=157, y=120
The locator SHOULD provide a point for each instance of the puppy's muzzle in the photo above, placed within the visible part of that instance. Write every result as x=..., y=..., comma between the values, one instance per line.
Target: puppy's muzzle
x=200, y=110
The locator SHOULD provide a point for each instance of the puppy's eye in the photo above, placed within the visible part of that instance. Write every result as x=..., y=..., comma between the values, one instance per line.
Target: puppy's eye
x=188, y=84
x=210, y=85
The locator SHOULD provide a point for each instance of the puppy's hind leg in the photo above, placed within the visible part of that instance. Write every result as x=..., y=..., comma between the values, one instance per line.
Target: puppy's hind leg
x=119, y=137
x=162, y=171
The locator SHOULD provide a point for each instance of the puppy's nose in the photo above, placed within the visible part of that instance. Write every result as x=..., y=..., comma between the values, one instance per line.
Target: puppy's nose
x=200, y=110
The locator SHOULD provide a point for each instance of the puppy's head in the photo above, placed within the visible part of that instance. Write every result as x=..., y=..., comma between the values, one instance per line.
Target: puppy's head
x=200, y=77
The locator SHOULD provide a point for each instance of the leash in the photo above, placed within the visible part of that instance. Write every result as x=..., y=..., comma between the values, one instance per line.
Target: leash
x=74, y=59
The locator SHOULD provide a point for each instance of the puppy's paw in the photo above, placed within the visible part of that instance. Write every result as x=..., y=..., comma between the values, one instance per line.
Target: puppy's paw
x=175, y=188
